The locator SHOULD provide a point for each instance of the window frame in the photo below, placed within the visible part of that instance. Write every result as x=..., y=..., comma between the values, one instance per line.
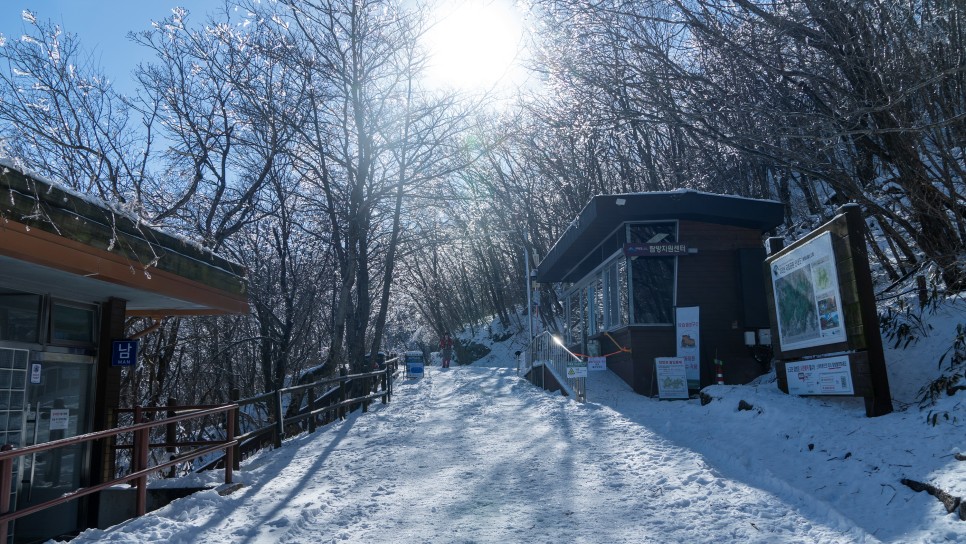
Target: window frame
x=630, y=274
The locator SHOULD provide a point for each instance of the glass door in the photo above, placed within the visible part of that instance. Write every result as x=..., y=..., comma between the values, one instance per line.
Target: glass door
x=59, y=407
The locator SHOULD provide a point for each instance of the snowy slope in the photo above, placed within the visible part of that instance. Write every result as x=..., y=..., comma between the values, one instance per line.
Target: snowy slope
x=475, y=454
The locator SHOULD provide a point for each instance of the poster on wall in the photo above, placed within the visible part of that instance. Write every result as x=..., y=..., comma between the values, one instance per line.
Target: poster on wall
x=687, y=336
x=807, y=300
x=827, y=376
x=59, y=419
x=672, y=380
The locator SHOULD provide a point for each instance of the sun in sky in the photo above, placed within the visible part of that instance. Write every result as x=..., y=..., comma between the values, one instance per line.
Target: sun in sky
x=475, y=45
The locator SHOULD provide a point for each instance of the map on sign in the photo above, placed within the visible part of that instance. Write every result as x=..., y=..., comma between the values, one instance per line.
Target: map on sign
x=807, y=300
x=672, y=377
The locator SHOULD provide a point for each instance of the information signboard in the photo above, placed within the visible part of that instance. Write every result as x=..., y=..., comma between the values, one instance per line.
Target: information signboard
x=807, y=299
x=596, y=364
x=825, y=376
x=415, y=364
x=672, y=378
x=576, y=369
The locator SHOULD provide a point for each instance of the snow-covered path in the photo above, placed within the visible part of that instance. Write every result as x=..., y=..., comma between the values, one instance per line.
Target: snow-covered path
x=478, y=455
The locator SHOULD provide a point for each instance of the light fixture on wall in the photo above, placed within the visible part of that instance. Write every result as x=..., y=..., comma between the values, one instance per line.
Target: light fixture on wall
x=620, y=201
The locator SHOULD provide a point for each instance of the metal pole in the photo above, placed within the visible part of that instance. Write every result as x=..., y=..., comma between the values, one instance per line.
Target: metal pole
x=526, y=259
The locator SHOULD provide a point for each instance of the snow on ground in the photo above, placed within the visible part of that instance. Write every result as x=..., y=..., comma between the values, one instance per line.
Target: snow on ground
x=476, y=454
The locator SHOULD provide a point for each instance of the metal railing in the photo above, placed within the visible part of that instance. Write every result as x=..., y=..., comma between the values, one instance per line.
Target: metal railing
x=339, y=395
x=547, y=364
x=140, y=468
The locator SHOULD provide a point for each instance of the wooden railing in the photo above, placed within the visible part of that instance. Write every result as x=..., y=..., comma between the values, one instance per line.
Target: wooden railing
x=139, y=468
x=340, y=397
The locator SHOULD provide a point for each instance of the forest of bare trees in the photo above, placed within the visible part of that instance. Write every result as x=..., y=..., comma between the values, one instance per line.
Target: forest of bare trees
x=373, y=212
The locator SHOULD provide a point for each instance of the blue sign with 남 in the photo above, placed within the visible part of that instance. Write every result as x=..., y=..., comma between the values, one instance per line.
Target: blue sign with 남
x=124, y=353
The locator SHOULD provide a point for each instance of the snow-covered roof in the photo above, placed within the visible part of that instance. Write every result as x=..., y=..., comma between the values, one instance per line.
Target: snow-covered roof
x=55, y=235
x=605, y=213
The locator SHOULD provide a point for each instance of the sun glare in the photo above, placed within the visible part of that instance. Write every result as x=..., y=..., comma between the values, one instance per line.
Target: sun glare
x=475, y=45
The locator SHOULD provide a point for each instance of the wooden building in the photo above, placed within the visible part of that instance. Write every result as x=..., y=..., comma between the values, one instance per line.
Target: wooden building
x=71, y=270
x=631, y=263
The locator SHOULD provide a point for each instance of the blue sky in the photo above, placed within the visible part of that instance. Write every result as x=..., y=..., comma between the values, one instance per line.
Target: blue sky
x=102, y=26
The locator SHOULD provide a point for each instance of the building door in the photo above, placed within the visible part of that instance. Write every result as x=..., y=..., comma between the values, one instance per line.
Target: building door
x=58, y=407
x=13, y=404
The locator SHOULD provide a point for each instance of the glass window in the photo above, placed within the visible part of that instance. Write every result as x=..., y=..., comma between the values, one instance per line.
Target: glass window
x=72, y=324
x=624, y=306
x=19, y=316
x=653, y=278
x=575, y=322
x=597, y=292
x=653, y=233
x=612, y=296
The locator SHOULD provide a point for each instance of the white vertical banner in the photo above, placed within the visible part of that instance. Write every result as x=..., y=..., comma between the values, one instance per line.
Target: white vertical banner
x=688, y=333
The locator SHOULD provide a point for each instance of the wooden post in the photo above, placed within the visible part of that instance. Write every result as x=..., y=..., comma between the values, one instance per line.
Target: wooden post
x=170, y=436
x=230, y=450
x=142, y=441
x=279, y=433
x=311, y=393
x=234, y=395
x=775, y=244
x=923, y=291
x=880, y=403
x=342, y=393
x=385, y=385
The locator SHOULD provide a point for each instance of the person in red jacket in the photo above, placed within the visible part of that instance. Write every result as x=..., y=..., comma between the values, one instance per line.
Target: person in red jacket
x=446, y=349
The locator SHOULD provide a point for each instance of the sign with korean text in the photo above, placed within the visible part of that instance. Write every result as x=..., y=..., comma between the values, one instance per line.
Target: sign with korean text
x=826, y=376
x=655, y=250
x=687, y=334
x=807, y=299
x=124, y=353
x=596, y=364
x=414, y=364
x=59, y=419
x=36, y=372
x=672, y=378
x=576, y=369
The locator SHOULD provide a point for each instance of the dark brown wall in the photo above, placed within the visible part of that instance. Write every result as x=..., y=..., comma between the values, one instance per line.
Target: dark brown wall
x=711, y=280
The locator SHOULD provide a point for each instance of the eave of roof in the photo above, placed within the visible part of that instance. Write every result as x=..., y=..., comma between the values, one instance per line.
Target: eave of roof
x=602, y=215
x=58, y=234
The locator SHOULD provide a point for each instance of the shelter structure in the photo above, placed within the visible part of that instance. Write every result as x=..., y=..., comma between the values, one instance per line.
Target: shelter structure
x=72, y=269
x=667, y=274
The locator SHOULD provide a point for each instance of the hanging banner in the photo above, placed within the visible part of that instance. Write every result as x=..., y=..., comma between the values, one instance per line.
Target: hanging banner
x=687, y=333
x=672, y=381
x=807, y=300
